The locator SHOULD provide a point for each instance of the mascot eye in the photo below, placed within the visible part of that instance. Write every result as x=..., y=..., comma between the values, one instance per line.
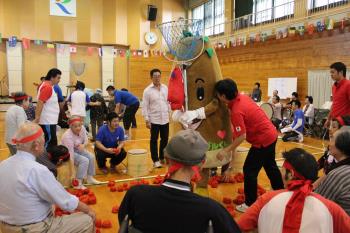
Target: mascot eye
x=200, y=89
x=200, y=93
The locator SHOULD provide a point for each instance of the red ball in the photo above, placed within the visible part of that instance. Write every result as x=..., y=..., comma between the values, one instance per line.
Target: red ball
x=106, y=224
x=98, y=223
x=113, y=189
x=227, y=200
x=75, y=182
x=115, y=209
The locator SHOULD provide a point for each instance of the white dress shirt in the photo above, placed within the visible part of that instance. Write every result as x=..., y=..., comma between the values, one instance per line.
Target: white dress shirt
x=15, y=116
x=155, y=106
x=310, y=112
x=28, y=190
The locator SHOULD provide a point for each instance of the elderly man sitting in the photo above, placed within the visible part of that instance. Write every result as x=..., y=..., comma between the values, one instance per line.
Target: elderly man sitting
x=297, y=208
x=172, y=207
x=28, y=191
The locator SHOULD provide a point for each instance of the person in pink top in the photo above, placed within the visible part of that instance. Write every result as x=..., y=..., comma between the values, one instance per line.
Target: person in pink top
x=75, y=139
x=295, y=209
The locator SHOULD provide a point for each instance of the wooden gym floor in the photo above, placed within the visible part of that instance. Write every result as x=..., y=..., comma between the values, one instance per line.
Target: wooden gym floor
x=140, y=139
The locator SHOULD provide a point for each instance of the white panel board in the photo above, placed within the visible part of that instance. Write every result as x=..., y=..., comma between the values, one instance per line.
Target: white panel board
x=284, y=86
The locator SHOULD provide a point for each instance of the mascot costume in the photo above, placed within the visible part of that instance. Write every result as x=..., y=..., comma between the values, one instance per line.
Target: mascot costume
x=193, y=101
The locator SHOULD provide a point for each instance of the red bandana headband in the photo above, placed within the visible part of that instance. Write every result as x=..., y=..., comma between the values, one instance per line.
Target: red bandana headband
x=72, y=121
x=294, y=209
x=18, y=98
x=176, y=166
x=29, y=138
x=290, y=167
x=340, y=120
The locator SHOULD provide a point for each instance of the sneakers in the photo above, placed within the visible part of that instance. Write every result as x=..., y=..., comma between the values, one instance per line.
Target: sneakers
x=242, y=208
x=92, y=180
x=80, y=185
x=104, y=170
x=126, y=137
x=157, y=165
x=300, y=138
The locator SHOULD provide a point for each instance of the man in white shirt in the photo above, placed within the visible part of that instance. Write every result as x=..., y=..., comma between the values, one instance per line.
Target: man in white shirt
x=309, y=110
x=274, y=93
x=78, y=101
x=155, y=110
x=15, y=116
x=28, y=191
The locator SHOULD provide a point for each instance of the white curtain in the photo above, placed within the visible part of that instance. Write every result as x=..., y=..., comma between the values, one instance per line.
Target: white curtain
x=319, y=86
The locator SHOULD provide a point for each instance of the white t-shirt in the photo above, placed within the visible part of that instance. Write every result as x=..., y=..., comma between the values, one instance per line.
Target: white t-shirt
x=79, y=100
x=15, y=116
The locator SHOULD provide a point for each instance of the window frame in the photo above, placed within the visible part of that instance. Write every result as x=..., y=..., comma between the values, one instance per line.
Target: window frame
x=215, y=25
x=315, y=9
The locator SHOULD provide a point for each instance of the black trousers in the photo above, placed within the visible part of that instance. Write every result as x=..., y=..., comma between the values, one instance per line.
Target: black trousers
x=50, y=135
x=102, y=156
x=256, y=159
x=290, y=136
x=163, y=130
x=95, y=122
x=129, y=115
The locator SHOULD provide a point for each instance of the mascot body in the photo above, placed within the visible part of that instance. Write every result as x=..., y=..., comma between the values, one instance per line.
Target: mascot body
x=204, y=111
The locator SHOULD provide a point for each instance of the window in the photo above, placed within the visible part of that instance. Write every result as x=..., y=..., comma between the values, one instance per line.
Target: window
x=266, y=10
x=312, y=4
x=212, y=14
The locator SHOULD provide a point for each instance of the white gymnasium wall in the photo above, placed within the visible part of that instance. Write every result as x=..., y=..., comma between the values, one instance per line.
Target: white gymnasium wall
x=63, y=64
x=107, y=67
x=14, y=67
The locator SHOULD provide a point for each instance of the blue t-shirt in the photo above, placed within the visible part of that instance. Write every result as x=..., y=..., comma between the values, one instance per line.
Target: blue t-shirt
x=58, y=91
x=110, y=139
x=298, y=114
x=125, y=98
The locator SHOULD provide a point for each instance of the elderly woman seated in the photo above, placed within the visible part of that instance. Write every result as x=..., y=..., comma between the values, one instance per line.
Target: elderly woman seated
x=336, y=184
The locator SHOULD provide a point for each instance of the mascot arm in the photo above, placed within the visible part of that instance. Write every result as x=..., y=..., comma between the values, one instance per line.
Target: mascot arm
x=211, y=107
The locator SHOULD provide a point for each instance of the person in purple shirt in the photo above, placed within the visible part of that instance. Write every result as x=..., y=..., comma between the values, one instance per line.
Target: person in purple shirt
x=110, y=144
x=127, y=99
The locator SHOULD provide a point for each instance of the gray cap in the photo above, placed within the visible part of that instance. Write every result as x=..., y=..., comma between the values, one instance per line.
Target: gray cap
x=187, y=147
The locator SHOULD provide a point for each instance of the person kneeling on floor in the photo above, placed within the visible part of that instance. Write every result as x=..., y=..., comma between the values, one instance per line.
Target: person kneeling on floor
x=28, y=191
x=294, y=132
x=75, y=139
x=296, y=208
x=173, y=204
x=110, y=144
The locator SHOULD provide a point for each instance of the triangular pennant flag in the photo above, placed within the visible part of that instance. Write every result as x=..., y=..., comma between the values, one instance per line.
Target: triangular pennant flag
x=320, y=26
x=139, y=53
x=127, y=53
x=257, y=37
x=342, y=25
x=301, y=30
x=279, y=35
x=12, y=41
x=73, y=49
x=90, y=50
x=115, y=52
x=145, y=53
x=100, y=52
x=330, y=24
x=38, y=42
x=291, y=31
x=25, y=43
x=60, y=48
x=285, y=33
x=134, y=53
x=244, y=39
x=50, y=47
x=122, y=53
x=310, y=29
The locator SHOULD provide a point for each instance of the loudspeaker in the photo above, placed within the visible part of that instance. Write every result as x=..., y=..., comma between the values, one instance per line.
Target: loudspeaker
x=152, y=13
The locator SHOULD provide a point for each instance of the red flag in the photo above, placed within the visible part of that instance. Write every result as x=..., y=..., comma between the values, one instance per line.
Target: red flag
x=90, y=50
x=26, y=43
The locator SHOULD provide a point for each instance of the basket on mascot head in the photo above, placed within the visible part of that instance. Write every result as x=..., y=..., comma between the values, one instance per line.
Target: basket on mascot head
x=182, y=38
x=185, y=42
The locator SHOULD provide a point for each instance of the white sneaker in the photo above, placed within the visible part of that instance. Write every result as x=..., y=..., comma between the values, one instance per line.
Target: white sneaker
x=157, y=165
x=126, y=137
x=300, y=138
x=92, y=180
x=80, y=185
x=242, y=208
